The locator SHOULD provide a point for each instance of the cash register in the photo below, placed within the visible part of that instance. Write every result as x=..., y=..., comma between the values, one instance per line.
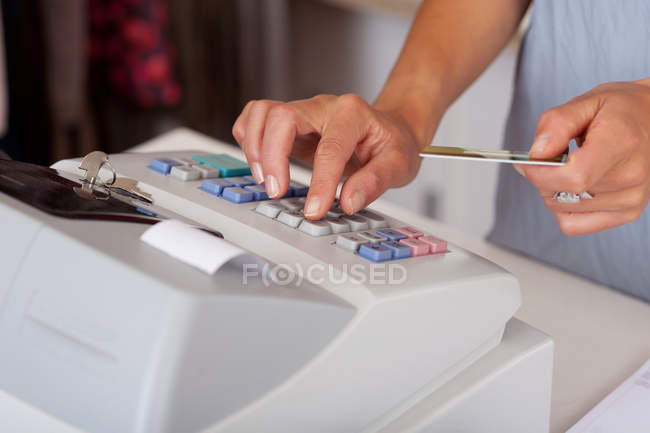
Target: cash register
x=355, y=323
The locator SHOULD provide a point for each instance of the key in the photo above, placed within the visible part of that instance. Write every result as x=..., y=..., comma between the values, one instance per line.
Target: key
x=290, y=218
x=375, y=221
x=129, y=187
x=357, y=223
x=315, y=228
x=350, y=242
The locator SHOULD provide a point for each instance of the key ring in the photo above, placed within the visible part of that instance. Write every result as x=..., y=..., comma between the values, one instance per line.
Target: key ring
x=569, y=197
x=92, y=164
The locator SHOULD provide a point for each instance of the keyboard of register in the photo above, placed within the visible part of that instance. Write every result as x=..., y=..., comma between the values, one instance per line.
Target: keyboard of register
x=365, y=233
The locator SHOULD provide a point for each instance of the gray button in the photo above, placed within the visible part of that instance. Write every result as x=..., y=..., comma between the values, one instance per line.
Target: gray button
x=337, y=225
x=294, y=204
x=350, y=242
x=290, y=218
x=375, y=221
x=207, y=172
x=315, y=228
x=269, y=209
x=335, y=211
x=371, y=237
x=357, y=223
x=185, y=173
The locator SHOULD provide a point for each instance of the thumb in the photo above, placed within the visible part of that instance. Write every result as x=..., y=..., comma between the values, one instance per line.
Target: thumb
x=559, y=125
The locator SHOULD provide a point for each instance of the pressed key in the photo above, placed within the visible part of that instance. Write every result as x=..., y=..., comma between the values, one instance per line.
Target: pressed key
x=185, y=173
x=335, y=211
x=350, y=242
x=298, y=189
x=259, y=191
x=375, y=221
x=214, y=186
x=398, y=251
x=372, y=237
x=294, y=204
x=290, y=218
x=239, y=181
x=409, y=232
x=269, y=209
x=337, y=225
x=227, y=165
x=435, y=244
x=391, y=234
x=315, y=228
x=357, y=223
x=206, y=171
x=418, y=248
x=237, y=194
x=163, y=165
x=375, y=252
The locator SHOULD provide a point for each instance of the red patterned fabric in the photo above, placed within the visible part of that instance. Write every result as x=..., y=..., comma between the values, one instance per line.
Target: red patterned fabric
x=130, y=51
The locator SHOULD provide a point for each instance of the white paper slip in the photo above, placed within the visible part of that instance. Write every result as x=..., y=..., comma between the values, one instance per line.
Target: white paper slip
x=625, y=410
x=194, y=246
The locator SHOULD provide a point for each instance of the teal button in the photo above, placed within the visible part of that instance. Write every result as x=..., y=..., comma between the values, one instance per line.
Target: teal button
x=226, y=164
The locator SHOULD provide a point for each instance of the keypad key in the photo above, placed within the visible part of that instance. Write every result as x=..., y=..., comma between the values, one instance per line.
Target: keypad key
x=185, y=173
x=298, y=189
x=291, y=218
x=357, y=223
x=269, y=209
x=206, y=171
x=418, y=248
x=375, y=221
x=391, y=234
x=315, y=228
x=250, y=179
x=295, y=204
x=435, y=244
x=409, y=232
x=337, y=225
x=259, y=191
x=239, y=181
x=375, y=252
x=163, y=165
x=227, y=165
x=398, y=251
x=372, y=237
x=214, y=186
x=237, y=194
x=335, y=211
x=350, y=242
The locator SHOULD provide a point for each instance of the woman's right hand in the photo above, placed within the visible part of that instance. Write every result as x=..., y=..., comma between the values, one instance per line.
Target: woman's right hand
x=339, y=136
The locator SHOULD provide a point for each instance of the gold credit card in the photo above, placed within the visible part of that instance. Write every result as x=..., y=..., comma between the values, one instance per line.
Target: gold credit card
x=508, y=156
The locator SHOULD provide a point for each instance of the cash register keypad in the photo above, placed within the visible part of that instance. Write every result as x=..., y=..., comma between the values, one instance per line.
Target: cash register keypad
x=365, y=233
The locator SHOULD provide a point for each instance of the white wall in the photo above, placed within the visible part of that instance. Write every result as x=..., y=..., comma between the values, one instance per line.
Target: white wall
x=337, y=50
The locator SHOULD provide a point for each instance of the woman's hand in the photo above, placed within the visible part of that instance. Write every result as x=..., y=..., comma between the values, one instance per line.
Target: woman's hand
x=340, y=136
x=612, y=124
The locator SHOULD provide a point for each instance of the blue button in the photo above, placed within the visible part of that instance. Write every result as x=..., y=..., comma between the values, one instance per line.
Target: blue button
x=391, y=234
x=399, y=251
x=239, y=181
x=163, y=165
x=298, y=189
x=145, y=211
x=250, y=179
x=259, y=191
x=237, y=194
x=375, y=252
x=215, y=186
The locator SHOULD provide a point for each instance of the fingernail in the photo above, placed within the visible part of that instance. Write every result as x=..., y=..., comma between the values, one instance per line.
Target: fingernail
x=520, y=170
x=539, y=145
x=357, y=201
x=312, y=206
x=272, y=187
x=258, y=174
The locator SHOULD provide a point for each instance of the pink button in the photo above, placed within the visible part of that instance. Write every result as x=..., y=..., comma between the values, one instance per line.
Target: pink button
x=418, y=248
x=409, y=232
x=436, y=245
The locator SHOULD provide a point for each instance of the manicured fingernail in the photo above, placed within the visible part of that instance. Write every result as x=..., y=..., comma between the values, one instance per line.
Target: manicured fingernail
x=312, y=206
x=520, y=170
x=539, y=145
x=357, y=201
x=258, y=174
x=272, y=187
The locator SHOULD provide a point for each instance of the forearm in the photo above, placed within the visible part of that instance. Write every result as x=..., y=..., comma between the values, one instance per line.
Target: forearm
x=451, y=42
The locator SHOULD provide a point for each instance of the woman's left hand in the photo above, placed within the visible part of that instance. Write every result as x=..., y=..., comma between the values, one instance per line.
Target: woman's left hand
x=612, y=124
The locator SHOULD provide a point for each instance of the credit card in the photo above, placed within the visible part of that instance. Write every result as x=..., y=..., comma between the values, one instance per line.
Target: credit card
x=508, y=156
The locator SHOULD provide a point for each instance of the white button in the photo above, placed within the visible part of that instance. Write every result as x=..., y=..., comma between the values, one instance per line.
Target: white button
x=350, y=242
x=207, y=172
x=357, y=223
x=337, y=225
x=294, y=204
x=371, y=237
x=185, y=173
x=375, y=220
x=335, y=211
x=315, y=228
x=290, y=218
x=269, y=209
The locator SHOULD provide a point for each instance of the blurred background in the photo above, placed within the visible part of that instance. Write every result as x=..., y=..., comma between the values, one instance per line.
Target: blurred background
x=108, y=74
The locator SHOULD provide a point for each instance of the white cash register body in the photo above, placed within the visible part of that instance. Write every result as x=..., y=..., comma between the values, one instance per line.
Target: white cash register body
x=111, y=335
